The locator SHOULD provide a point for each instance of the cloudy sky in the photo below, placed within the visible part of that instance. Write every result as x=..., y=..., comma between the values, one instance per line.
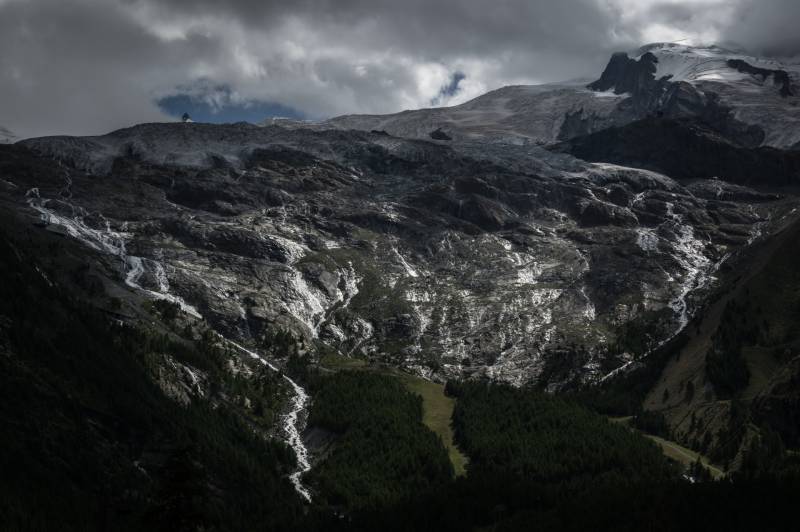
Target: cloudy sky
x=91, y=66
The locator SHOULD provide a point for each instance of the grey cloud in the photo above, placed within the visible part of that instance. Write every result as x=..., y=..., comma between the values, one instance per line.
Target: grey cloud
x=88, y=66
x=770, y=27
x=431, y=30
x=79, y=67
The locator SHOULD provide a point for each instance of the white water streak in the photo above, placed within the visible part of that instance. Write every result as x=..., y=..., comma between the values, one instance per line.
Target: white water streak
x=106, y=241
x=688, y=252
x=113, y=243
x=291, y=422
x=411, y=272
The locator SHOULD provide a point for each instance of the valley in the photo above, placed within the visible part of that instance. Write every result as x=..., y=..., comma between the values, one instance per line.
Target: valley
x=573, y=304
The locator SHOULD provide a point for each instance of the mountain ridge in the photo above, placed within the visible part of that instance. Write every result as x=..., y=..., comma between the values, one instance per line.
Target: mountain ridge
x=678, y=81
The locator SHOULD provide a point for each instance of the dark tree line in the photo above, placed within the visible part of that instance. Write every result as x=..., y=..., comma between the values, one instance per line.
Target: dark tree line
x=548, y=439
x=542, y=463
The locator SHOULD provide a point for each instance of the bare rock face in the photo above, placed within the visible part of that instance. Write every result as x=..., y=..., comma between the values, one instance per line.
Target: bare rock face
x=440, y=135
x=455, y=260
x=686, y=149
x=779, y=76
x=626, y=75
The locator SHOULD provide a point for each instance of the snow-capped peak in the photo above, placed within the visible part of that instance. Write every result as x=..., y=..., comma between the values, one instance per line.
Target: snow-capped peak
x=705, y=63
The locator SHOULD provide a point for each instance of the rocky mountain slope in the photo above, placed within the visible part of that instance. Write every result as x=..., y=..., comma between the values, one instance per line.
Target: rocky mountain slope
x=686, y=148
x=480, y=255
x=452, y=261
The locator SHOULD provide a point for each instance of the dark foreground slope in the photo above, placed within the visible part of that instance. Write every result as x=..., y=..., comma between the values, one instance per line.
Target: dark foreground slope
x=743, y=362
x=90, y=441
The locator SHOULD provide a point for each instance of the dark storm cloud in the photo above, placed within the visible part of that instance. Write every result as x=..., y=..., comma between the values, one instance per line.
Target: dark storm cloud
x=689, y=17
x=80, y=67
x=769, y=27
x=428, y=27
x=550, y=40
x=88, y=66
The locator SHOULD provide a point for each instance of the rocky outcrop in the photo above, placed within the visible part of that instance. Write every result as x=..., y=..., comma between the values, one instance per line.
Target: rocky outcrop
x=626, y=75
x=779, y=77
x=686, y=149
x=438, y=134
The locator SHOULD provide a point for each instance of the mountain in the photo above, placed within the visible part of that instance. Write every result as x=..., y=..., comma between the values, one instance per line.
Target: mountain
x=750, y=100
x=481, y=255
x=614, y=241
x=686, y=148
x=525, y=114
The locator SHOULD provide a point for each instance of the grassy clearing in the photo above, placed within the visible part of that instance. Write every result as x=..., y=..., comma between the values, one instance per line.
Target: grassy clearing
x=437, y=407
x=437, y=413
x=685, y=456
x=674, y=451
x=338, y=362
